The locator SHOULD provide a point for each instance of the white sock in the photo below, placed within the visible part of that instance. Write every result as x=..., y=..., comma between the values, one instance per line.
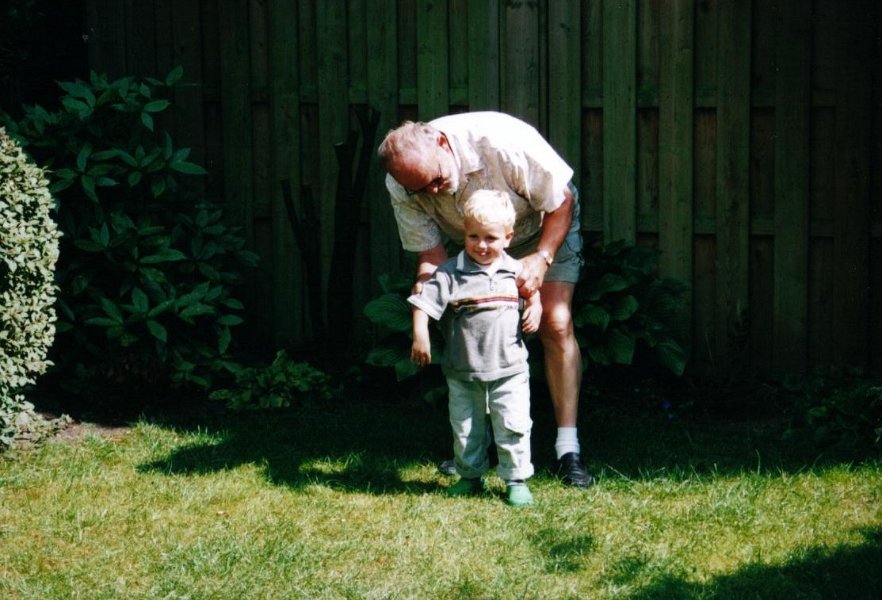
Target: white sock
x=567, y=441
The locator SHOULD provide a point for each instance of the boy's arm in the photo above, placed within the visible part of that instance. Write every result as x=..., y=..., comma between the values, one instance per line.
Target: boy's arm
x=421, y=350
x=532, y=313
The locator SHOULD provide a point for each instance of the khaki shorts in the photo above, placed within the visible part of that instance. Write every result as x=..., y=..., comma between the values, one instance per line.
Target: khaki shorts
x=568, y=260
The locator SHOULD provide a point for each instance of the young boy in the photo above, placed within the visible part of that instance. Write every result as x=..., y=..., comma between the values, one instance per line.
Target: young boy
x=485, y=361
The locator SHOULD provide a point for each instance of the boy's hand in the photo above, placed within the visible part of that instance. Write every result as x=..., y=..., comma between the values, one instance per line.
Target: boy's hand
x=532, y=316
x=421, y=352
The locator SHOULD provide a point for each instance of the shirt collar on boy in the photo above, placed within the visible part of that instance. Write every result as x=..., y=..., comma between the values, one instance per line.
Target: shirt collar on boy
x=465, y=264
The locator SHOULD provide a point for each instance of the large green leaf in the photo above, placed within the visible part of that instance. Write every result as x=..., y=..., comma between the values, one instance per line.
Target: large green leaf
x=672, y=356
x=388, y=353
x=624, y=308
x=391, y=311
x=593, y=316
x=608, y=283
x=621, y=347
x=405, y=369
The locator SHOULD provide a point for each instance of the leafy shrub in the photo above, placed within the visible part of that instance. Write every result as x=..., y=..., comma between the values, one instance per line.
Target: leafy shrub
x=147, y=267
x=837, y=408
x=391, y=313
x=29, y=247
x=281, y=384
x=621, y=303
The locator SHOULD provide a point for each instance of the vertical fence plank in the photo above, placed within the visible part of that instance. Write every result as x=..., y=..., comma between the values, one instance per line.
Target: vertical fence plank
x=820, y=245
x=236, y=124
x=141, y=38
x=875, y=309
x=432, y=59
x=189, y=120
x=458, y=53
x=732, y=185
x=592, y=53
x=760, y=324
x=706, y=53
x=565, y=82
x=851, y=228
x=619, y=120
x=520, y=60
x=792, y=105
x=287, y=265
x=236, y=111
x=676, y=130
x=483, y=31
x=105, y=27
x=333, y=112
x=385, y=247
x=591, y=168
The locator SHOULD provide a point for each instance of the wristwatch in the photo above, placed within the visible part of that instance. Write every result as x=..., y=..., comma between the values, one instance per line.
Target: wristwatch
x=548, y=256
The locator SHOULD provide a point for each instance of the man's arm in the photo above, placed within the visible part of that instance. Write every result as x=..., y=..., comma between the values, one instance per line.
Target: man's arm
x=427, y=262
x=555, y=226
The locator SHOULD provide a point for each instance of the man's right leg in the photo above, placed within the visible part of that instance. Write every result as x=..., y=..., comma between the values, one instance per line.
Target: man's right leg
x=563, y=373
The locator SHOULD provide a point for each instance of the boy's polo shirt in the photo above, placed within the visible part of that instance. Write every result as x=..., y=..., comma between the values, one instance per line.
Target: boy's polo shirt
x=481, y=323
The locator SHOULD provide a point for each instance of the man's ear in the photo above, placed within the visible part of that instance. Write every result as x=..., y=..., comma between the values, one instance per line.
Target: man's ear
x=443, y=141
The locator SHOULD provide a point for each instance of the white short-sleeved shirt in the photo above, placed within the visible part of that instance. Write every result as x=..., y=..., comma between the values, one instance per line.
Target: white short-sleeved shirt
x=493, y=151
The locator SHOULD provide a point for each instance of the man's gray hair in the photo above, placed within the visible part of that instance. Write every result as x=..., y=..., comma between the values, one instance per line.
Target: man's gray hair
x=409, y=139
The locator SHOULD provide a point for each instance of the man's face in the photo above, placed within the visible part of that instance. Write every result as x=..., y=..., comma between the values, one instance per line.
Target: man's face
x=434, y=172
x=485, y=243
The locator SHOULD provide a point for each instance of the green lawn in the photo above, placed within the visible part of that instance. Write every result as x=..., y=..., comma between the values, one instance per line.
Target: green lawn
x=344, y=502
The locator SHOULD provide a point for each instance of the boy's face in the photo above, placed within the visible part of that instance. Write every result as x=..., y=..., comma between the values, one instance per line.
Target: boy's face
x=485, y=243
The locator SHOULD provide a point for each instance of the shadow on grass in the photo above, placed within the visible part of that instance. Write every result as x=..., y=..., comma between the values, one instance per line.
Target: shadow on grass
x=842, y=572
x=351, y=446
x=367, y=446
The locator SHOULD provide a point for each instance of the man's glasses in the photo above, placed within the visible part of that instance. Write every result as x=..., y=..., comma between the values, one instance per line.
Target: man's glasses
x=435, y=183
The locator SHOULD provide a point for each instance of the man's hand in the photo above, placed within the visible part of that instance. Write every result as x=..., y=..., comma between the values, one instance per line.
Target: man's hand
x=532, y=275
x=427, y=262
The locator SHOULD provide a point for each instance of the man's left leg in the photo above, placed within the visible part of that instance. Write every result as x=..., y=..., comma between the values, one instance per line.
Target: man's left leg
x=563, y=372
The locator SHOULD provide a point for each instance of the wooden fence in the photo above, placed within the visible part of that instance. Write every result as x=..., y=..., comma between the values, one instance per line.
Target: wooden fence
x=741, y=138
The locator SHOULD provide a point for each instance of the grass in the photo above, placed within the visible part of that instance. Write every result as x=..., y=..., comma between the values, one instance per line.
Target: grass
x=344, y=502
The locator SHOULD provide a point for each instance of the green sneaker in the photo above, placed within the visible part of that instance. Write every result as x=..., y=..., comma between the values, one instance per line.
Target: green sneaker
x=466, y=487
x=518, y=495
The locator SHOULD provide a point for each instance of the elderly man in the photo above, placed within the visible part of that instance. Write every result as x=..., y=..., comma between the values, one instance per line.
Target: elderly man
x=434, y=167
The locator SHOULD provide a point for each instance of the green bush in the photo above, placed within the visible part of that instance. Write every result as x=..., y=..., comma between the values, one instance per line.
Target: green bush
x=148, y=266
x=836, y=408
x=281, y=384
x=622, y=304
x=29, y=247
x=391, y=313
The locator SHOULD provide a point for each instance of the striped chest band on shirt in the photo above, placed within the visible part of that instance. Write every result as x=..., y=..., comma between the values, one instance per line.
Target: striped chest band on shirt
x=494, y=302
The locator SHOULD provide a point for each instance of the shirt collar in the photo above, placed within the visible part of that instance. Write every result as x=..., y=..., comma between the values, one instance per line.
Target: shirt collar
x=505, y=263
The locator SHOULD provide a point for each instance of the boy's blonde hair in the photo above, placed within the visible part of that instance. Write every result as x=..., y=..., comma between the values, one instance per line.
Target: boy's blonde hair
x=490, y=207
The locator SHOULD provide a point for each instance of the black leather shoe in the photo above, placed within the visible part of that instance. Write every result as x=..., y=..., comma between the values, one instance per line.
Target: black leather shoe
x=572, y=472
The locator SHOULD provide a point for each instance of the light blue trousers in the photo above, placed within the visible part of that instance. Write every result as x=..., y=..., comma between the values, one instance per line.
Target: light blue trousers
x=506, y=402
